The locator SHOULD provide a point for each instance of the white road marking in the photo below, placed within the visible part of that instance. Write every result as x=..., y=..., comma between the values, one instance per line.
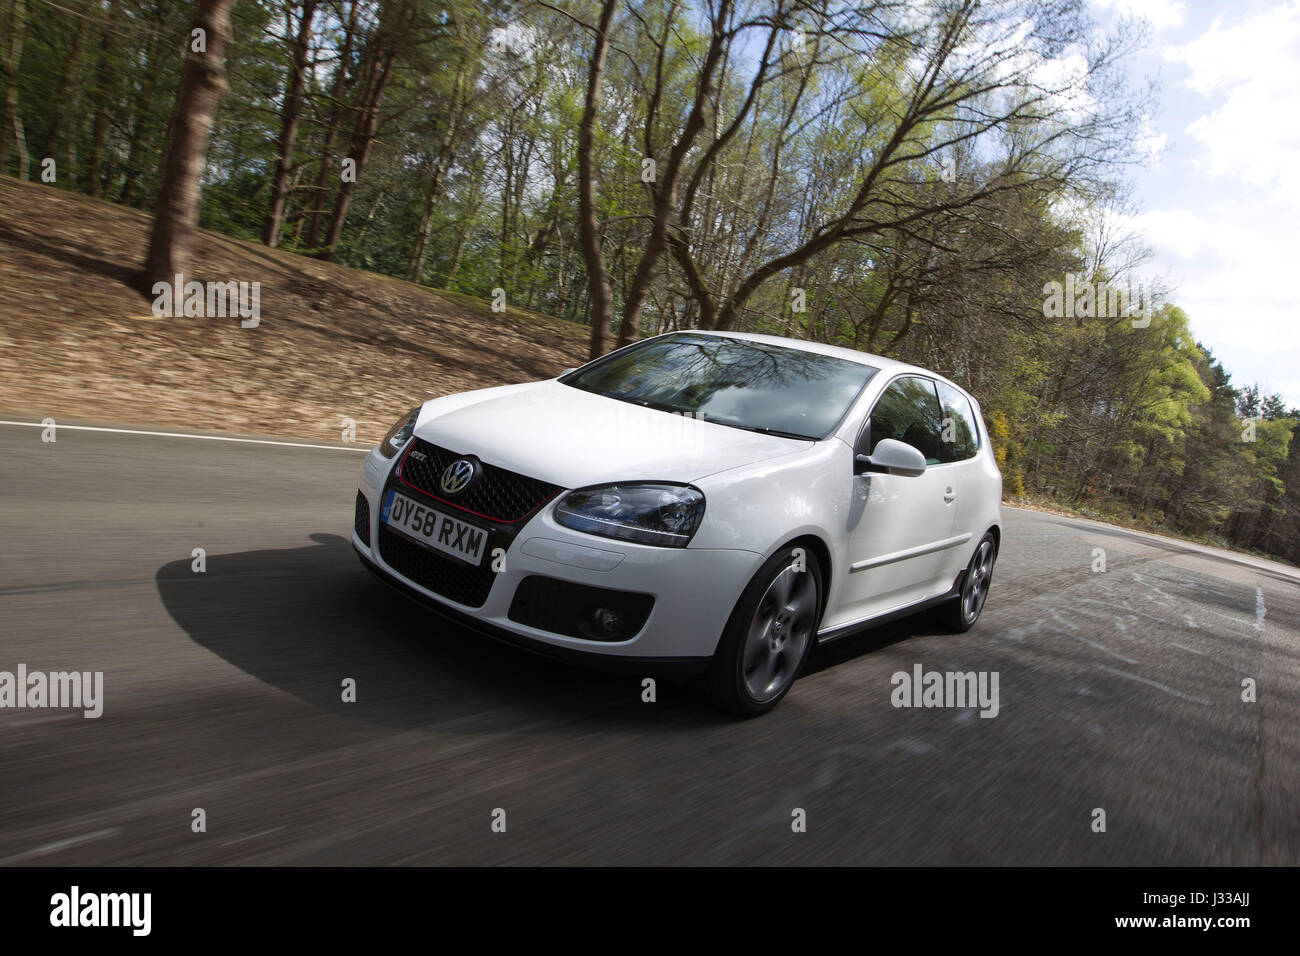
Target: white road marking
x=908, y=745
x=1092, y=727
x=1259, y=609
x=1231, y=617
x=1069, y=627
x=54, y=847
x=1189, y=650
x=49, y=719
x=1150, y=683
x=134, y=431
x=253, y=836
x=1105, y=650
x=1129, y=612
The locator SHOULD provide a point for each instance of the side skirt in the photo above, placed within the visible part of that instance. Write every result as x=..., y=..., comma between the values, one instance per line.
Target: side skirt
x=866, y=624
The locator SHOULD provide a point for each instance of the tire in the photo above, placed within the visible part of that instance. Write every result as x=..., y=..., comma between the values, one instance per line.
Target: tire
x=960, y=614
x=768, y=637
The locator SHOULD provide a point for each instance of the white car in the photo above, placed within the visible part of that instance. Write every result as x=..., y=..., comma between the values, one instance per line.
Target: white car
x=701, y=502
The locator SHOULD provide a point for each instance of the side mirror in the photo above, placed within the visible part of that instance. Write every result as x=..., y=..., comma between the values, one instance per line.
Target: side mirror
x=891, y=457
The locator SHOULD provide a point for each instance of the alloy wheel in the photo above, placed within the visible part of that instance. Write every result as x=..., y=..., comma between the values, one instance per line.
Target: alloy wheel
x=975, y=590
x=779, y=633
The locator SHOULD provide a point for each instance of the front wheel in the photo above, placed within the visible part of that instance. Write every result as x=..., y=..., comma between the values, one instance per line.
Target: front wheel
x=961, y=613
x=769, y=635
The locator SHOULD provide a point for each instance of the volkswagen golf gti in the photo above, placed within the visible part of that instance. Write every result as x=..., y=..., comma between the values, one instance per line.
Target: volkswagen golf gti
x=704, y=503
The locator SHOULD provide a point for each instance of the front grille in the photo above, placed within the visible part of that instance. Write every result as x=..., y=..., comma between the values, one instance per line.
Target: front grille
x=362, y=521
x=496, y=494
x=455, y=581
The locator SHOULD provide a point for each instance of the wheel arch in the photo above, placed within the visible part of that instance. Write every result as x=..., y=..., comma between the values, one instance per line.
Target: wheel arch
x=995, y=530
x=822, y=552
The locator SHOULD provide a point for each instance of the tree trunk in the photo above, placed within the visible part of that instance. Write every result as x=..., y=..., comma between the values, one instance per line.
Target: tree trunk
x=203, y=83
x=105, y=77
x=466, y=224
x=10, y=63
x=143, y=111
x=664, y=191
x=370, y=216
x=64, y=99
x=289, y=126
x=299, y=219
x=507, y=194
x=588, y=224
x=416, y=263
x=363, y=137
x=336, y=113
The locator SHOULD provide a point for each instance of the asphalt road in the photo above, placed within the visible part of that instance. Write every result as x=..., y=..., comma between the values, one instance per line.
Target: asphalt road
x=1119, y=690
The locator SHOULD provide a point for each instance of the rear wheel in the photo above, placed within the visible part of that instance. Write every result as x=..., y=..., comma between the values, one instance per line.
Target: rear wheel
x=961, y=613
x=769, y=635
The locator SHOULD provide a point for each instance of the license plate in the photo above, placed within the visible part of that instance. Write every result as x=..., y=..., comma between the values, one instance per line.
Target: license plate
x=433, y=529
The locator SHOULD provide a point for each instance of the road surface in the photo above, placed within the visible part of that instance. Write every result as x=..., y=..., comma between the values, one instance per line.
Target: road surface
x=1119, y=691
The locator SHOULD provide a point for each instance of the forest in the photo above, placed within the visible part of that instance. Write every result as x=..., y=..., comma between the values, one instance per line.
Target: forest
x=910, y=178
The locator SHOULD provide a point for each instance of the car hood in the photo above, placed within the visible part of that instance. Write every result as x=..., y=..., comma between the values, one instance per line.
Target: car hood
x=569, y=437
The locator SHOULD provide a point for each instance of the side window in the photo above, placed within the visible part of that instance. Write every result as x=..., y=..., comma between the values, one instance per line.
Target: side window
x=908, y=411
x=958, y=434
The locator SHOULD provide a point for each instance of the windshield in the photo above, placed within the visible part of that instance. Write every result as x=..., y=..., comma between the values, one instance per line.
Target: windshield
x=753, y=385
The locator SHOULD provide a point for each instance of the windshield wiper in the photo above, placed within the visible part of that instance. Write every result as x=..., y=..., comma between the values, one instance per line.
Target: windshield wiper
x=764, y=430
x=657, y=406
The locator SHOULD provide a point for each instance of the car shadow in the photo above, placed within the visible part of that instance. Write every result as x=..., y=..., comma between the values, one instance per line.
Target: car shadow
x=304, y=619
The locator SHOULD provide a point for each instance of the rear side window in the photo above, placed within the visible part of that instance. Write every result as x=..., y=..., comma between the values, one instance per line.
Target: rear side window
x=958, y=435
x=908, y=411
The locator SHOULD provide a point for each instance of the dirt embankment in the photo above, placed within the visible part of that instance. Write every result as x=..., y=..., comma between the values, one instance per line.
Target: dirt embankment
x=77, y=342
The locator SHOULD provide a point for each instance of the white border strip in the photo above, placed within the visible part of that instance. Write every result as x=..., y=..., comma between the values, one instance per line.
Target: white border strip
x=132, y=431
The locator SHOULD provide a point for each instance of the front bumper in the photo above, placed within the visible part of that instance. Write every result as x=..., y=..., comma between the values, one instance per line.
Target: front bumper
x=694, y=590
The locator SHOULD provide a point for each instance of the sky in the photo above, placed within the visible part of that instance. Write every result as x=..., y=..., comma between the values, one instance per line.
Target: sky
x=1220, y=202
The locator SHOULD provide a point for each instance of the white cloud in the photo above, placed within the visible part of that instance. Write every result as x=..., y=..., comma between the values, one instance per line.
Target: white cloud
x=1232, y=266
x=1224, y=238
x=1249, y=69
x=1151, y=144
x=1223, y=56
x=1161, y=14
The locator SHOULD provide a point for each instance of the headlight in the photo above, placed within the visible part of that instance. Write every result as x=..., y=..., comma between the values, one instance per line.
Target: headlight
x=648, y=513
x=399, y=434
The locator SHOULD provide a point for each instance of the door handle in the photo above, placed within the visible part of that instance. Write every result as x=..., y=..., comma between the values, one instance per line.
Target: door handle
x=949, y=495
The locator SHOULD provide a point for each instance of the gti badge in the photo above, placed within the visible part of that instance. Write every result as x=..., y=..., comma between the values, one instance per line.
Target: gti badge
x=457, y=475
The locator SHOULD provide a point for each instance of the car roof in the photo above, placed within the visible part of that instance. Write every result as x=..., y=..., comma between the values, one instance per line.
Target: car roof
x=890, y=367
